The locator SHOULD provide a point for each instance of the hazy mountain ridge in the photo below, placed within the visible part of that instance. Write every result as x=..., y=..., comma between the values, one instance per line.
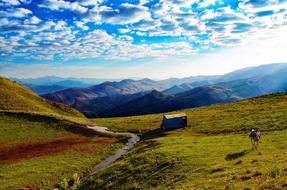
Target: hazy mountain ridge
x=51, y=84
x=158, y=102
x=124, y=87
x=132, y=97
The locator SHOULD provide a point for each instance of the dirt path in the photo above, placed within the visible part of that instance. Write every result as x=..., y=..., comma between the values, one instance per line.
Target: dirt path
x=119, y=152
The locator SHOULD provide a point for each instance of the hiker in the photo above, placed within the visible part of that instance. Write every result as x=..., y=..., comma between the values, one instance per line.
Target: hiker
x=254, y=137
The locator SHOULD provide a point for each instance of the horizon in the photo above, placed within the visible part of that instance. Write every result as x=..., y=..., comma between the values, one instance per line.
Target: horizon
x=139, y=38
x=137, y=78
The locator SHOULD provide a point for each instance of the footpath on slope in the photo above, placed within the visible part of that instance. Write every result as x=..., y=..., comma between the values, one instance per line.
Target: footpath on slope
x=119, y=152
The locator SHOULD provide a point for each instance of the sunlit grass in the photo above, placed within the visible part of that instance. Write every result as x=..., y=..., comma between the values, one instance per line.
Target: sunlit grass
x=213, y=152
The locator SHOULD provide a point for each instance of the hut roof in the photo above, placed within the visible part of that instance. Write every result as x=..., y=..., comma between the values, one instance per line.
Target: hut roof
x=170, y=116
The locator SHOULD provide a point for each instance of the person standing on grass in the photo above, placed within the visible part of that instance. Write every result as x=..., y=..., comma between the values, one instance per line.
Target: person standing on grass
x=254, y=137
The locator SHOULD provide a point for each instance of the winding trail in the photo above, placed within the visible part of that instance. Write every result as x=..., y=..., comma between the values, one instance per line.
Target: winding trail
x=119, y=152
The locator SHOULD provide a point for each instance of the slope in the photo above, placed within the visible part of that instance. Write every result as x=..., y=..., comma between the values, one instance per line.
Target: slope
x=16, y=98
x=213, y=152
x=274, y=81
x=269, y=78
x=157, y=102
x=94, y=107
x=36, y=133
x=124, y=87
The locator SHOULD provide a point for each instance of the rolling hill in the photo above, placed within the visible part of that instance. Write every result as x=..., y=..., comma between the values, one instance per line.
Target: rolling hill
x=44, y=89
x=265, y=76
x=126, y=97
x=35, y=131
x=212, y=152
x=94, y=107
x=51, y=84
x=124, y=87
x=17, y=98
x=157, y=102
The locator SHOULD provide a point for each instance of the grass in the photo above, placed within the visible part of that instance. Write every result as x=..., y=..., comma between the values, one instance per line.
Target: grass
x=41, y=145
x=213, y=152
x=43, y=170
x=183, y=161
x=266, y=112
x=17, y=98
x=43, y=142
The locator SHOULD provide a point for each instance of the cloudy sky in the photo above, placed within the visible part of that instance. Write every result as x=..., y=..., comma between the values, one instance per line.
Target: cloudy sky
x=139, y=38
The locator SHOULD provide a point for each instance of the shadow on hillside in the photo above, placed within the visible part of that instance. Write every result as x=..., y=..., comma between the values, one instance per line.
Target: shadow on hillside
x=233, y=156
x=153, y=134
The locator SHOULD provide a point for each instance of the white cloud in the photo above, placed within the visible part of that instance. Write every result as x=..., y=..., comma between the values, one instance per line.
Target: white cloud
x=9, y=2
x=91, y=2
x=61, y=4
x=125, y=14
x=32, y=20
x=15, y=12
x=124, y=30
x=60, y=24
x=206, y=3
x=81, y=25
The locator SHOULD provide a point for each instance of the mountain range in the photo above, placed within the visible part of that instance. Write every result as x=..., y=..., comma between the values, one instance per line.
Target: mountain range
x=136, y=97
x=50, y=84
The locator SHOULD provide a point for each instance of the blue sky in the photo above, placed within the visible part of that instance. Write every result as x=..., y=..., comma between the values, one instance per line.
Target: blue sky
x=139, y=38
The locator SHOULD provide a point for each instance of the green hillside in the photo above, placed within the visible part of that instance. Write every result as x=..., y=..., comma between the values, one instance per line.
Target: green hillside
x=213, y=152
x=268, y=112
x=17, y=98
x=41, y=144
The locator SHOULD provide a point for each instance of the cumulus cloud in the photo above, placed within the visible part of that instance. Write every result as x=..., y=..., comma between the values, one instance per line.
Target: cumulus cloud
x=122, y=31
x=125, y=14
x=91, y=2
x=62, y=5
x=9, y=2
x=81, y=25
x=15, y=12
x=32, y=20
x=206, y=3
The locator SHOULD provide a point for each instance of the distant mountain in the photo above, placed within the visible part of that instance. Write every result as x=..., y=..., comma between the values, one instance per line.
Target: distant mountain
x=93, y=107
x=131, y=97
x=275, y=71
x=153, y=102
x=186, y=87
x=124, y=87
x=67, y=82
x=178, y=81
x=43, y=89
x=47, y=80
x=51, y=84
x=158, y=102
x=251, y=72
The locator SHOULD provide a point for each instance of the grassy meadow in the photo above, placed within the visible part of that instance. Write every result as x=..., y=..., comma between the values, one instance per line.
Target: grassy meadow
x=17, y=98
x=43, y=143
x=266, y=112
x=213, y=152
x=39, y=152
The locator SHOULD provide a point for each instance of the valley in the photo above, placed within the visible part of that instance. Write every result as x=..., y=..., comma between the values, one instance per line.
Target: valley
x=143, y=95
x=47, y=145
